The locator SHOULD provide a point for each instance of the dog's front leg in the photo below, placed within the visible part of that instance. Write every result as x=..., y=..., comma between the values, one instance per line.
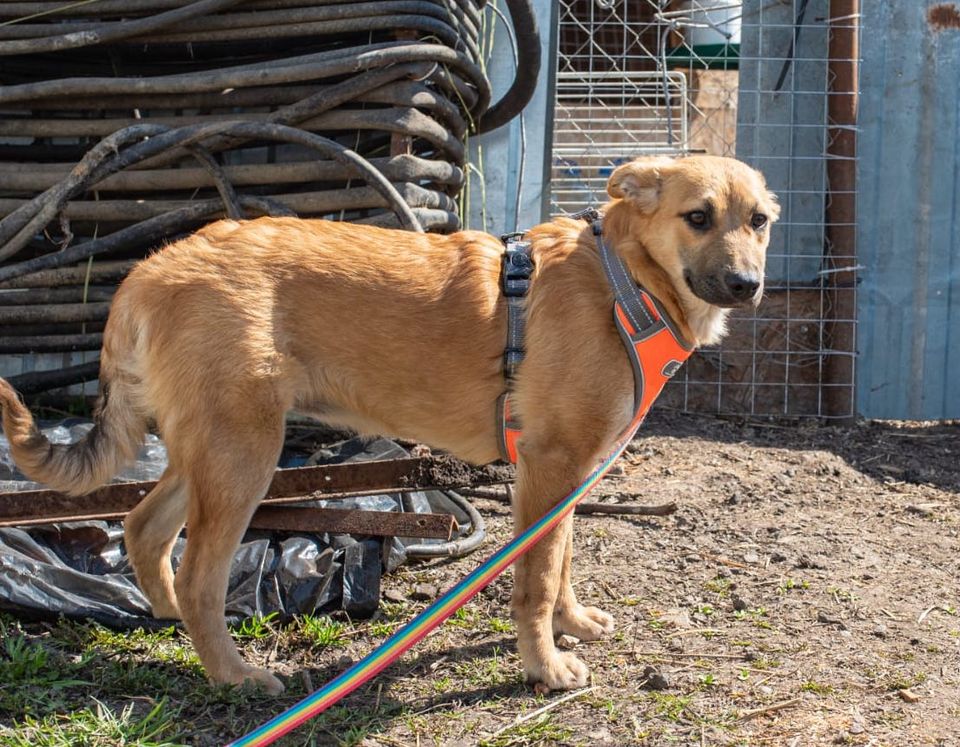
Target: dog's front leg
x=542, y=479
x=571, y=617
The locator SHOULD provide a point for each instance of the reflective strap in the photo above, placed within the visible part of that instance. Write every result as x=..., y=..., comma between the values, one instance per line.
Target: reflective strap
x=640, y=317
x=508, y=429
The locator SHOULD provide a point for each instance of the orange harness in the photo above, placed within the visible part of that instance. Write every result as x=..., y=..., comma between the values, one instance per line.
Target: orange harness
x=655, y=347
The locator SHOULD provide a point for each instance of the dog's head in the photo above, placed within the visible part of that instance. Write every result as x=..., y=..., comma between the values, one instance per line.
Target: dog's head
x=704, y=220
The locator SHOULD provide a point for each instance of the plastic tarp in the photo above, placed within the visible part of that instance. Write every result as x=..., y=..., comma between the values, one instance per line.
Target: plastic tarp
x=81, y=570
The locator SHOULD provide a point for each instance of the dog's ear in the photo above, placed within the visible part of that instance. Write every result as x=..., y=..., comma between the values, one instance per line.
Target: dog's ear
x=773, y=207
x=639, y=182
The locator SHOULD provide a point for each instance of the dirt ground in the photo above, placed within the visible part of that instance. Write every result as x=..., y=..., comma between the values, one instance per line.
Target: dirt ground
x=804, y=592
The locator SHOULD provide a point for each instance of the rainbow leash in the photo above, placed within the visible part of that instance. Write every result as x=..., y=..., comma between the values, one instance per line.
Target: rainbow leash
x=432, y=617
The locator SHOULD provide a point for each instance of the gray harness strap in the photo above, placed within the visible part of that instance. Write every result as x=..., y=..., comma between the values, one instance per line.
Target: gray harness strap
x=632, y=298
x=514, y=282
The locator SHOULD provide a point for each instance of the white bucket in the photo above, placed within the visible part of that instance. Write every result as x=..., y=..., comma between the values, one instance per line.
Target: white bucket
x=716, y=22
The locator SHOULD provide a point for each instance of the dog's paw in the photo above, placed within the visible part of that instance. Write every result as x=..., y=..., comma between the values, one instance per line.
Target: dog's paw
x=166, y=611
x=585, y=623
x=560, y=671
x=255, y=677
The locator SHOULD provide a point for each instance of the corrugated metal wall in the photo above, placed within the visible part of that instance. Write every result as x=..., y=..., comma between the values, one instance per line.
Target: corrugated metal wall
x=909, y=242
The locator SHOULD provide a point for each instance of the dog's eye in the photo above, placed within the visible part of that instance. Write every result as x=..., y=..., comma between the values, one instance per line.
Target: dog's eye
x=697, y=219
x=758, y=221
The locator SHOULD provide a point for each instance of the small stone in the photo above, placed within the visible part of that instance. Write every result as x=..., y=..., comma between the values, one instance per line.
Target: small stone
x=654, y=679
x=751, y=557
x=823, y=617
x=856, y=728
x=739, y=603
x=880, y=631
x=765, y=690
x=394, y=595
x=733, y=499
x=424, y=592
x=677, y=617
x=344, y=662
x=908, y=695
x=567, y=642
x=777, y=557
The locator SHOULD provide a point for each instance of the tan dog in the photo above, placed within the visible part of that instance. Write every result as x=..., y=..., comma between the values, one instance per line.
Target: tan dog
x=214, y=338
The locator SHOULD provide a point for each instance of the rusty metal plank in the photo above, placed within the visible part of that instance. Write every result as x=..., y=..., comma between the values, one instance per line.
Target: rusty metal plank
x=342, y=521
x=289, y=485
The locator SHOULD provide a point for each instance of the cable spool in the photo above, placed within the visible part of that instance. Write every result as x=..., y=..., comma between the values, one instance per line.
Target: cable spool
x=128, y=124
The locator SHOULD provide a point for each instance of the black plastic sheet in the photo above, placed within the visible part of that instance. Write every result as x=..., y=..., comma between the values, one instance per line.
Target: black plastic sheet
x=81, y=570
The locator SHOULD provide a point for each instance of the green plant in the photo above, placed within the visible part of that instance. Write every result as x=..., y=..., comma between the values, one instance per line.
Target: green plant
x=322, y=631
x=255, y=627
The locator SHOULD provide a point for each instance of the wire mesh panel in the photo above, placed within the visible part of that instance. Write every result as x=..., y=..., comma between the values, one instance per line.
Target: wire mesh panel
x=775, y=84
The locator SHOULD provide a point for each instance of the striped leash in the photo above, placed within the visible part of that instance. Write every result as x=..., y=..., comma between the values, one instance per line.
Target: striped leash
x=434, y=615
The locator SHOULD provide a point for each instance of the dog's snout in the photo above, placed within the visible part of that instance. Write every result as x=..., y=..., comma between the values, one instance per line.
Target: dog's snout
x=742, y=287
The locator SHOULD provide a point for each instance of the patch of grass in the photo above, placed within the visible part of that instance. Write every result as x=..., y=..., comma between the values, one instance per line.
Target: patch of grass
x=543, y=730
x=708, y=680
x=706, y=610
x=904, y=680
x=254, y=628
x=793, y=584
x=765, y=662
x=382, y=628
x=500, y=625
x=97, y=726
x=842, y=595
x=755, y=615
x=668, y=706
x=348, y=726
x=442, y=684
x=464, y=618
x=719, y=585
x=164, y=645
x=32, y=676
x=322, y=631
x=393, y=610
x=817, y=688
x=487, y=671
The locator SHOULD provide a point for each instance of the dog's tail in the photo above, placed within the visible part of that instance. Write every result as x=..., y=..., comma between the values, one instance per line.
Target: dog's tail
x=113, y=442
x=79, y=467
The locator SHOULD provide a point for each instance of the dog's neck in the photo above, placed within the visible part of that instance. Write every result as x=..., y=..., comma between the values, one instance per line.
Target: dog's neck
x=701, y=323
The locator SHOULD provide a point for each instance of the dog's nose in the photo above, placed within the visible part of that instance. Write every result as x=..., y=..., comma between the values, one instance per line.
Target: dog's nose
x=741, y=287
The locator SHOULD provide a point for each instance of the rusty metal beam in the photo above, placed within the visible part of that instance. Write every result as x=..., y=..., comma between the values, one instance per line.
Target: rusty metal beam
x=332, y=481
x=342, y=521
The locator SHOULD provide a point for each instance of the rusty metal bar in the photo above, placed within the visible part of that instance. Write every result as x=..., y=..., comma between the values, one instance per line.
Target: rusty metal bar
x=343, y=521
x=32, y=507
x=841, y=213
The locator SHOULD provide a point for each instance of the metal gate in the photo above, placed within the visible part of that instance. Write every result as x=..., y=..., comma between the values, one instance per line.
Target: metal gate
x=773, y=82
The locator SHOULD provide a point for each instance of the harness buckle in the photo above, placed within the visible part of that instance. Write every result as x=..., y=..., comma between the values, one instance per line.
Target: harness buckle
x=591, y=215
x=517, y=268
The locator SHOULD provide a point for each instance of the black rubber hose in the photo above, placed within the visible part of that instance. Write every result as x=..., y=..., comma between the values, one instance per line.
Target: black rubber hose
x=115, y=31
x=528, y=68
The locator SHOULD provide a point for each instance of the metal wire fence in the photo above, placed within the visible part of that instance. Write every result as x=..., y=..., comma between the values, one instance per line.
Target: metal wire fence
x=773, y=82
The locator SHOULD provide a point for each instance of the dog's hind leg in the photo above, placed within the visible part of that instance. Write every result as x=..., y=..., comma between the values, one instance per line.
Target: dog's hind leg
x=149, y=532
x=571, y=617
x=227, y=476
